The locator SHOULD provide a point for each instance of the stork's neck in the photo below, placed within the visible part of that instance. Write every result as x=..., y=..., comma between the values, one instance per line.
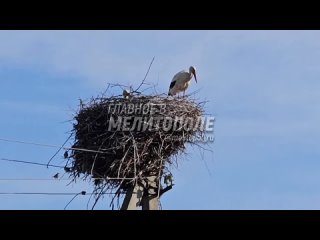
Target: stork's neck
x=191, y=75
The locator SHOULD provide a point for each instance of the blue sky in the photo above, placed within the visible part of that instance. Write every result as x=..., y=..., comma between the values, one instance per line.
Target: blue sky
x=262, y=86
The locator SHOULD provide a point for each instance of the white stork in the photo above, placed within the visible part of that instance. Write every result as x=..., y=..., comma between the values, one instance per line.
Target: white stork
x=181, y=81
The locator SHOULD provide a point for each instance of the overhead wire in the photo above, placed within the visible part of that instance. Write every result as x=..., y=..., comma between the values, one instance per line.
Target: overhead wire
x=50, y=193
x=48, y=145
x=56, y=166
x=28, y=162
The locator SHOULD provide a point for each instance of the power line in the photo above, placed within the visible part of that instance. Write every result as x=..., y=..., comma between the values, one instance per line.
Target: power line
x=44, y=179
x=59, y=149
x=35, y=193
x=51, y=193
x=27, y=162
x=57, y=180
x=48, y=179
x=49, y=145
x=56, y=166
x=33, y=179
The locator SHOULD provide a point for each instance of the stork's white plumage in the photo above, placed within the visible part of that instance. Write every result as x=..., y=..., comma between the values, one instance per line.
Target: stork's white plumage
x=126, y=93
x=181, y=81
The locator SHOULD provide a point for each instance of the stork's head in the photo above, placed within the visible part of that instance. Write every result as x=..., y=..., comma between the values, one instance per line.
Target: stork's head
x=192, y=70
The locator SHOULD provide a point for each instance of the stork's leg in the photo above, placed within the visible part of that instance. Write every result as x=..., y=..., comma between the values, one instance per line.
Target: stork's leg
x=184, y=92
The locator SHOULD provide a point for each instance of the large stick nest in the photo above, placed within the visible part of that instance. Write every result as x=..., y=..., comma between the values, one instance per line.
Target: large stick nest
x=119, y=156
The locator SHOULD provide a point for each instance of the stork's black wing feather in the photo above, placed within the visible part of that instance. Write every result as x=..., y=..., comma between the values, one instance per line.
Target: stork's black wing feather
x=172, y=84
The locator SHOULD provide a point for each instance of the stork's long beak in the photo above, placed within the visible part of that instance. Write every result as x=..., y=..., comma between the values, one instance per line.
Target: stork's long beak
x=195, y=76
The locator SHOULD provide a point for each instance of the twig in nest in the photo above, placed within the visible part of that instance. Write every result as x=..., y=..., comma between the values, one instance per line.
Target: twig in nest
x=145, y=77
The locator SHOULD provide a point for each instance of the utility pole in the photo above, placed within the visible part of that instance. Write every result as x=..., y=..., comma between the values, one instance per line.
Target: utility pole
x=133, y=198
x=151, y=198
x=145, y=195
